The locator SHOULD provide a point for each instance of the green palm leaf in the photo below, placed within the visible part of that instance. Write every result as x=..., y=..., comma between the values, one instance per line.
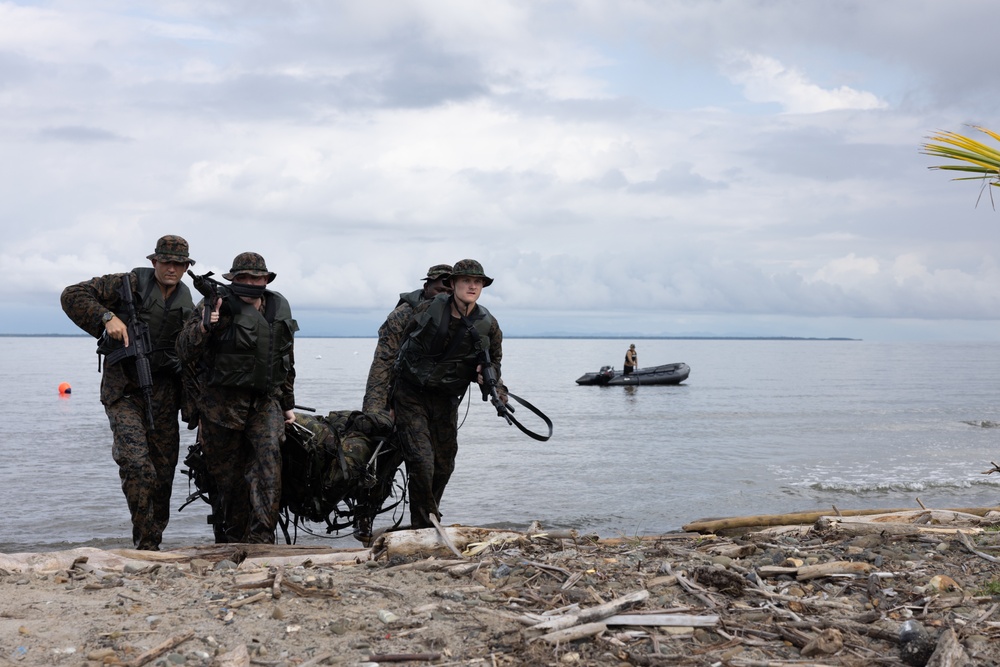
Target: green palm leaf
x=975, y=156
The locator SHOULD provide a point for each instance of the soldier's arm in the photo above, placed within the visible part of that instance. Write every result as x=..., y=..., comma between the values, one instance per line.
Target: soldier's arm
x=496, y=356
x=85, y=303
x=288, y=386
x=192, y=339
x=390, y=337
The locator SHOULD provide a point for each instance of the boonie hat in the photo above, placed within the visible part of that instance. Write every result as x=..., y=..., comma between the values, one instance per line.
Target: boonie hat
x=251, y=264
x=171, y=248
x=438, y=271
x=470, y=267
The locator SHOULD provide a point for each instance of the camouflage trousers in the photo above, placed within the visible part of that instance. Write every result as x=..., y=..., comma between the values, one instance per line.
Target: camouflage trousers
x=245, y=467
x=146, y=461
x=427, y=424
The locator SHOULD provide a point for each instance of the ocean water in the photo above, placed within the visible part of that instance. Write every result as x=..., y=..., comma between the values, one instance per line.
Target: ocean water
x=760, y=426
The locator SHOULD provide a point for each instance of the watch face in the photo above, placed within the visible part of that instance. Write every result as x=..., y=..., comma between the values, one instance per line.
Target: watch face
x=107, y=316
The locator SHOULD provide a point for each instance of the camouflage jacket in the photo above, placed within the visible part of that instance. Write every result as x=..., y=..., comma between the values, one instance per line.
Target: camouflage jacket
x=457, y=328
x=85, y=303
x=227, y=406
x=380, y=374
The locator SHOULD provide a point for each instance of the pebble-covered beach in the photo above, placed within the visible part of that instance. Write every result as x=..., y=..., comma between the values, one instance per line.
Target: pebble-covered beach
x=923, y=589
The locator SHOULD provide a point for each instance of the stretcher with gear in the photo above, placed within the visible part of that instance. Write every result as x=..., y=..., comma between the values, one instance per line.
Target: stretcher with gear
x=338, y=472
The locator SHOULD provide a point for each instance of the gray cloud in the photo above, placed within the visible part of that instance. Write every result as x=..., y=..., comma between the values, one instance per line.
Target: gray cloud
x=76, y=134
x=597, y=158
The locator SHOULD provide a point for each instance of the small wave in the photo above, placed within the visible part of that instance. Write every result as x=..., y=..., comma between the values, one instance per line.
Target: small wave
x=983, y=423
x=865, y=487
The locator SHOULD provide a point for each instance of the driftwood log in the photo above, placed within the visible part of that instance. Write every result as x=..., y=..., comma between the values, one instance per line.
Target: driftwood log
x=795, y=518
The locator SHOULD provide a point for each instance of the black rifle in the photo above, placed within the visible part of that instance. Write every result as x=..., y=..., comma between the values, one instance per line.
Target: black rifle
x=139, y=347
x=209, y=288
x=489, y=386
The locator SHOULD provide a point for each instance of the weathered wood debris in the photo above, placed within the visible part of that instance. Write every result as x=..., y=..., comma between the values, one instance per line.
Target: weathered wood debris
x=910, y=587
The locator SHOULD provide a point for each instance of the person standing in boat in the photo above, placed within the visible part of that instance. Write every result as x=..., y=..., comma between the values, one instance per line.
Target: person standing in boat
x=438, y=360
x=246, y=375
x=631, y=359
x=146, y=454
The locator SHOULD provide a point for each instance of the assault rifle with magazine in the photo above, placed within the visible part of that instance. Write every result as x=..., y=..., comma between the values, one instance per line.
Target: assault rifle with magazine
x=139, y=348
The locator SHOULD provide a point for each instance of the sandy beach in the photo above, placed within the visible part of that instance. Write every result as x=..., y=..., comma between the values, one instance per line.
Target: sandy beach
x=833, y=592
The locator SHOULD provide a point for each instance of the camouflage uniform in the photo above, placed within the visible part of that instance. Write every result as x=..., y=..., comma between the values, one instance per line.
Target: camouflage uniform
x=242, y=424
x=390, y=336
x=427, y=408
x=146, y=460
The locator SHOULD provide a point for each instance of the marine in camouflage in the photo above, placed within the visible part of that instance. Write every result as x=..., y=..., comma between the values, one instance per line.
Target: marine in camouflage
x=146, y=458
x=427, y=419
x=390, y=337
x=241, y=430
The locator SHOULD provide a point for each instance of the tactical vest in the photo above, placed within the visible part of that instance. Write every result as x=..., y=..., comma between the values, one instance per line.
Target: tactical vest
x=429, y=360
x=254, y=351
x=164, y=319
x=413, y=298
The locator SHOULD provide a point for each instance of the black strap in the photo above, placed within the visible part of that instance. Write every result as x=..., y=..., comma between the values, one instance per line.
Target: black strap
x=485, y=358
x=526, y=431
x=441, y=334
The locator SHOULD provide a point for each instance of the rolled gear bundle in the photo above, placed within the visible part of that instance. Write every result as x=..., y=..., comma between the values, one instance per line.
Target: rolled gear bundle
x=325, y=462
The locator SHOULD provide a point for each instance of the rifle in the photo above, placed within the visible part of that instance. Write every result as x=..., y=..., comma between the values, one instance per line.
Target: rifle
x=209, y=288
x=139, y=347
x=489, y=388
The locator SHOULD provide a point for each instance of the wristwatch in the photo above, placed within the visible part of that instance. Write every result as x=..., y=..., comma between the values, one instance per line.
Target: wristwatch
x=107, y=317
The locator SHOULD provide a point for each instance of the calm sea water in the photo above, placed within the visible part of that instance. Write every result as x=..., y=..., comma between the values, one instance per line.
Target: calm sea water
x=759, y=427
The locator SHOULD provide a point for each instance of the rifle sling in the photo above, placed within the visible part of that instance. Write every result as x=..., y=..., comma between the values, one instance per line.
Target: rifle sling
x=485, y=358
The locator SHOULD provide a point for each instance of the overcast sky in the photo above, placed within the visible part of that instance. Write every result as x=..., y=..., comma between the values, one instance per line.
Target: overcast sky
x=721, y=167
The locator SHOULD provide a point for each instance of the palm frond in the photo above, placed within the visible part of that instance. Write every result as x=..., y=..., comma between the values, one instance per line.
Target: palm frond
x=977, y=157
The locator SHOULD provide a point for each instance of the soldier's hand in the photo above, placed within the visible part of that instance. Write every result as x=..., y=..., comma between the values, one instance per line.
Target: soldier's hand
x=289, y=416
x=117, y=329
x=213, y=318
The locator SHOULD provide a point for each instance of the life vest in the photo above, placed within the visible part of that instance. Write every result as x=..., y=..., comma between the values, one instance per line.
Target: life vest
x=165, y=319
x=412, y=298
x=254, y=351
x=429, y=360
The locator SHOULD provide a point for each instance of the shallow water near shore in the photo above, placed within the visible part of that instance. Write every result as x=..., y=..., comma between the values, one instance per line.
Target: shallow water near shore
x=761, y=426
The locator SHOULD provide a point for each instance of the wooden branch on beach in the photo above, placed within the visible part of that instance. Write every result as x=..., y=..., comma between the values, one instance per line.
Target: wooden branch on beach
x=574, y=633
x=444, y=535
x=949, y=651
x=599, y=612
x=403, y=657
x=795, y=518
x=155, y=652
x=828, y=569
x=901, y=529
x=276, y=584
x=664, y=620
x=967, y=543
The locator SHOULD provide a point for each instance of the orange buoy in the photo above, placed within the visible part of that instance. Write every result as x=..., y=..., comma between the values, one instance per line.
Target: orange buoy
x=64, y=389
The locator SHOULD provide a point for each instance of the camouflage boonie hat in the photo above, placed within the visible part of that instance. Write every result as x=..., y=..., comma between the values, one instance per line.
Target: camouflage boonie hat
x=438, y=271
x=171, y=248
x=251, y=264
x=470, y=267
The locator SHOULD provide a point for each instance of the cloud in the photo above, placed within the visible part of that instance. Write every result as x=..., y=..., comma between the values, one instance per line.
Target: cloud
x=78, y=135
x=766, y=80
x=596, y=157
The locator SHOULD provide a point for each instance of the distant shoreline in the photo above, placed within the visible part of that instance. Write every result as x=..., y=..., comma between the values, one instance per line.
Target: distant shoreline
x=541, y=337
